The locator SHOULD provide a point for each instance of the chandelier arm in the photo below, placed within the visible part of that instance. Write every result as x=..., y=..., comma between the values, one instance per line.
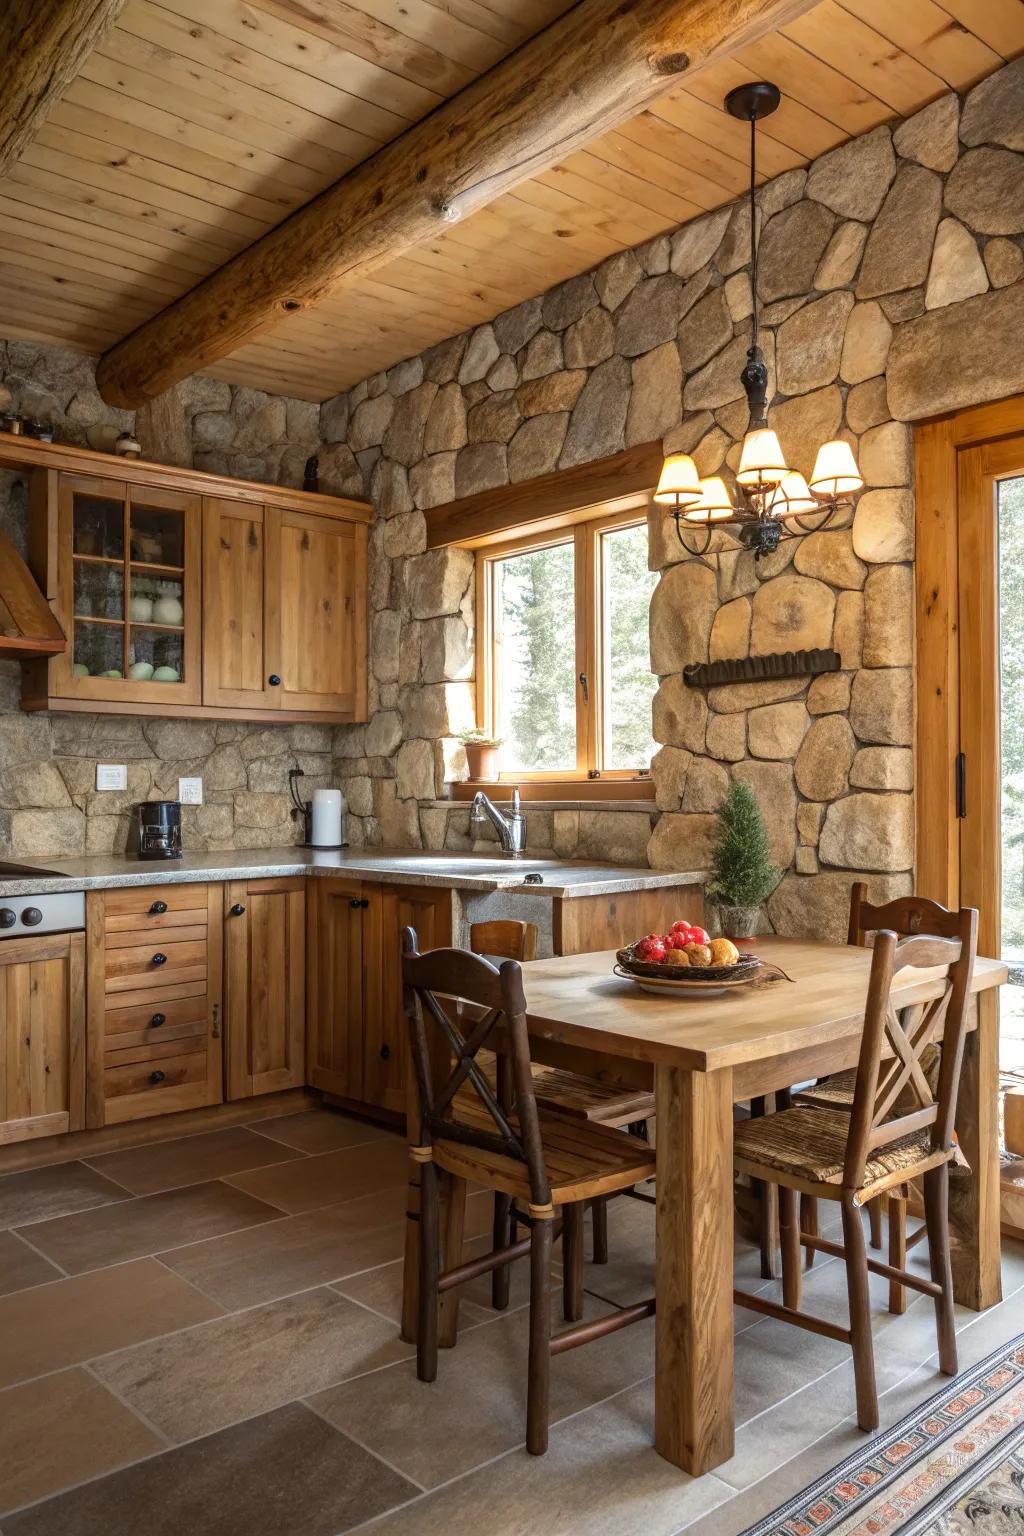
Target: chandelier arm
x=697, y=553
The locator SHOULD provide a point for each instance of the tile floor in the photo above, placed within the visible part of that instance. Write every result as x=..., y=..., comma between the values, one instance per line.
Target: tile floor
x=200, y=1334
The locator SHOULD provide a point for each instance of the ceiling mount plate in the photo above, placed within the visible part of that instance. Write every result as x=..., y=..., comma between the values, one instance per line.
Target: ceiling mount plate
x=751, y=102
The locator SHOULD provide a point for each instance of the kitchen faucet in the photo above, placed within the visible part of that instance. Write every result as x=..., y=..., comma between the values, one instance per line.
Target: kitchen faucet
x=511, y=828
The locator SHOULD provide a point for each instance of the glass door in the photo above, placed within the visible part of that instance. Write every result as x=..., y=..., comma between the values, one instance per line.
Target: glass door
x=130, y=592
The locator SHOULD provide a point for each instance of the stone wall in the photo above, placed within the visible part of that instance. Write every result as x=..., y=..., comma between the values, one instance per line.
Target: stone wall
x=891, y=289
x=49, y=805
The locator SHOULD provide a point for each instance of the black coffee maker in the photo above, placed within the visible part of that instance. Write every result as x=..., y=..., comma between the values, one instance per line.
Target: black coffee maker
x=158, y=827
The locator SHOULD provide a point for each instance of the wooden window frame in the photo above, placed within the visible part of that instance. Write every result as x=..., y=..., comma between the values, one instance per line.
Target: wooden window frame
x=588, y=774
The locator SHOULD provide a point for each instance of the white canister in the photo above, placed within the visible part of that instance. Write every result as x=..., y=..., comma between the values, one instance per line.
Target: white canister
x=328, y=806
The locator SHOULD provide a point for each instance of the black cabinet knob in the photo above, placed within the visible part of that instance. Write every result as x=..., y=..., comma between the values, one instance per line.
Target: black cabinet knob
x=158, y=907
x=159, y=959
x=237, y=910
x=157, y=1077
x=385, y=1053
x=31, y=917
x=157, y=1020
x=355, y=902
x=274, y=680
x=8, y=917
x=364, y=902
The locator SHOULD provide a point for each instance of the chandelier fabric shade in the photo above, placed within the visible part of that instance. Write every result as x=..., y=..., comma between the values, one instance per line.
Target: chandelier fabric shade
x=771, y=501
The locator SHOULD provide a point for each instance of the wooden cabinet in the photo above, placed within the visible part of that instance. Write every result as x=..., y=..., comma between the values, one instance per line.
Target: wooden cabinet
x=42, y=1036
x=285, y=619
x=264, y=986
x=358, y=1047
x=154, y=1000
x=195, y=594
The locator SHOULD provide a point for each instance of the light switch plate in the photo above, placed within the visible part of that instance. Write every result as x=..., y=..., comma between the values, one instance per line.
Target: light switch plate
x=111, y=775
x=190, y=791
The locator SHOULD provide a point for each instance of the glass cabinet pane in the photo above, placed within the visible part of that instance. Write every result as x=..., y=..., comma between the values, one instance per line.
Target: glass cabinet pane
x=157, y=536
x=98, y=527
x=99, y=590
x=99, y=649
x=155, y=655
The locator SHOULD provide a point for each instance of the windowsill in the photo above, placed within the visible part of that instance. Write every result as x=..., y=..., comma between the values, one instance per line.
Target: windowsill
x=560, y=794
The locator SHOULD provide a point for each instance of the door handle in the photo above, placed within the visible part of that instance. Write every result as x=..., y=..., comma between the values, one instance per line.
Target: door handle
x=585, y=685
x=359, y=901
x=961, y=785
x=385, y=1052
x=274, y=680
x=237, y=910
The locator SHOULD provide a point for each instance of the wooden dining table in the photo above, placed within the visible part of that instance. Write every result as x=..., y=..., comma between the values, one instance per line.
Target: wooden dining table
x=706, y=1054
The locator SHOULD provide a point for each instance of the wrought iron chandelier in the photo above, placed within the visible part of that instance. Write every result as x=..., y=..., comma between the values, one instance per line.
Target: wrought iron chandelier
x=771, y=502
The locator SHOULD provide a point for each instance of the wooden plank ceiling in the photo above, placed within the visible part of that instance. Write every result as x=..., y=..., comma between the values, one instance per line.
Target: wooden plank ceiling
x=197, y=125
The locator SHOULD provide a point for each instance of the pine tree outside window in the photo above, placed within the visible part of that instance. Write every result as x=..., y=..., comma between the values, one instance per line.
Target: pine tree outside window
x=563, y=664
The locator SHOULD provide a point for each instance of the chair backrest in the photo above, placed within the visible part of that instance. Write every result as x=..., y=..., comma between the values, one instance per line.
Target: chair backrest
x=495, y=998
x=893, y=1096
x=905, y=916
x=507, y=937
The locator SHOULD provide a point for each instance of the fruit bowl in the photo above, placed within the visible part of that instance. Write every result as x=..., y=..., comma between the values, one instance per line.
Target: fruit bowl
x=744, y=968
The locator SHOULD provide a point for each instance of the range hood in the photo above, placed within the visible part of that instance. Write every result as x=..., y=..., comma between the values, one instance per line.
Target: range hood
x=27, y=626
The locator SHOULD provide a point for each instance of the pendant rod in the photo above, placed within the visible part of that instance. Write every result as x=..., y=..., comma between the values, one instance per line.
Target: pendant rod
x=753, y=227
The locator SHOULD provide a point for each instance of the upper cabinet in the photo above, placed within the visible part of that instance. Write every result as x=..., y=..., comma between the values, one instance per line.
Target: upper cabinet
x=284, y=610
x=231, y=604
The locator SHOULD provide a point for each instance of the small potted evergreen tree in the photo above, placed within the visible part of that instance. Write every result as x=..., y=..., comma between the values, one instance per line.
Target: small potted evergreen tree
x=743, y=874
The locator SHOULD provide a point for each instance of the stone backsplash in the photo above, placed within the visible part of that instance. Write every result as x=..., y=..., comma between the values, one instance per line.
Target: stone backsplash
x=49, y=805
x=892, y=288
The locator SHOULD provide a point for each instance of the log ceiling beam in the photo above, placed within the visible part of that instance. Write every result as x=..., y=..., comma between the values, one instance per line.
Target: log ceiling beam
x=45, y=43
x=600, y=63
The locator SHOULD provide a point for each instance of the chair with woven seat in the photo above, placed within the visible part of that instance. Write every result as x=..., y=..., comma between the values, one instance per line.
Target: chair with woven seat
x=907, y=915
x=561, y=1092
x=898, y=1127
x=502, y=1139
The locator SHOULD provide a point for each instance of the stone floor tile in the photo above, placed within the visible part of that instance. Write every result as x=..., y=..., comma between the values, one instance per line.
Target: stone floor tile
x=21, y=1266
x=319, y=1130
x=190, y=1159
x=330, y=1177
x=39, y=1194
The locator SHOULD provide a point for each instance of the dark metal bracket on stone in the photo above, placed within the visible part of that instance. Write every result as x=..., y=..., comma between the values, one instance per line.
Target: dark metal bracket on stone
x=756, y=669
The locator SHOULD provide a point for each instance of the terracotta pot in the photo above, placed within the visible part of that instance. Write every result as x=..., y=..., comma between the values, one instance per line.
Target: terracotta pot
x=738, y=922
x=482, y=760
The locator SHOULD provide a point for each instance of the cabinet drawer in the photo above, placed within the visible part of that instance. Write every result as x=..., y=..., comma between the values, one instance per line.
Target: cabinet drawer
x=156, y=1020
x=154, y=964
x=138, y=901
x=155, y=1078
x=160, y=934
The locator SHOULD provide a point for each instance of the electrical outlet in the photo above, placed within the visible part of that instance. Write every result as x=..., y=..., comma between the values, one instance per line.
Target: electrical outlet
x=111, y=775
x=190, y=791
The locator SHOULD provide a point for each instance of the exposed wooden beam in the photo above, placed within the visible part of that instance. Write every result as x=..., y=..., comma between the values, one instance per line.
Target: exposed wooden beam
x=600, y=63
x=44, y=44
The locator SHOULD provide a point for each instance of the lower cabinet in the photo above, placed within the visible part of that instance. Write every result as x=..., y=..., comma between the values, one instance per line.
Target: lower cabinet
x=154, y=1001
x=264, y=986
x=42, y=1036
x=357, y=1043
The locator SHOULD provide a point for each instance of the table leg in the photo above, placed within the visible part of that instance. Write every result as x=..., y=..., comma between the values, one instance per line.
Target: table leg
x=694, y=1416
x=974, y=1196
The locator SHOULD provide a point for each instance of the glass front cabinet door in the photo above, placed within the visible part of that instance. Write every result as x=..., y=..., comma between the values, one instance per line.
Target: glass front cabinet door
x=129, y=570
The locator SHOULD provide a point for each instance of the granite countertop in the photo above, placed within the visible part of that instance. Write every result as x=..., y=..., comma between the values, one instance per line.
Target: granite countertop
x=402, y=866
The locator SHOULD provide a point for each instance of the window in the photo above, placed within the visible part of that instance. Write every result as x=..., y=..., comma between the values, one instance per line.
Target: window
x=563, y=670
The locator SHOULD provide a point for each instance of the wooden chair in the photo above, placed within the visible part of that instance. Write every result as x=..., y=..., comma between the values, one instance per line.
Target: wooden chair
x=906, y=916
x=565, y=1093
x=899, y=1127
x=505, y=1141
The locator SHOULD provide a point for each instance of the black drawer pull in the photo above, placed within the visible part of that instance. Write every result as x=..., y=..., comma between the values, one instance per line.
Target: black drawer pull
x=355, y=902
x=158, y=907
x=157, y=1077
x=159, y=959
x=385, y=1053
x=237, y=910
x=274, y=680
x=157, y=1020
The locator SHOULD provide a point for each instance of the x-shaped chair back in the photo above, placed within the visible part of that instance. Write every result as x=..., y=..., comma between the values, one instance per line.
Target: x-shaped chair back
x=893, y=1097
x=445, y=1058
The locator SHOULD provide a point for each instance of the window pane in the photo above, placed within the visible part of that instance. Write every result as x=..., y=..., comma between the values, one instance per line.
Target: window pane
x=535, y=659
x=628, y=682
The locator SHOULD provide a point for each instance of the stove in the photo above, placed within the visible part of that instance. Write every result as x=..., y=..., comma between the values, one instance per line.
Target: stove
x=27, y=915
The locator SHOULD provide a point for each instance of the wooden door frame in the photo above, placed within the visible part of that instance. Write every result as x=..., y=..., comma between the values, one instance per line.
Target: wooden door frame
x=939, y=448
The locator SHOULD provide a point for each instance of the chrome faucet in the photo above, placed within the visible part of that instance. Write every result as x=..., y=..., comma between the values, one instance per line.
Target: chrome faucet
x=511, y=828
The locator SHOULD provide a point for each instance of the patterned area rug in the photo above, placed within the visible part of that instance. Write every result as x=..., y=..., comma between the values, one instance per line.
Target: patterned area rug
x=953, y=1467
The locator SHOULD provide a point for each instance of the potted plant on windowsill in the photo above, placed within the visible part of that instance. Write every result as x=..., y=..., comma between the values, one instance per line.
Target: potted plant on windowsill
x=742, y=872
x=481, y=754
